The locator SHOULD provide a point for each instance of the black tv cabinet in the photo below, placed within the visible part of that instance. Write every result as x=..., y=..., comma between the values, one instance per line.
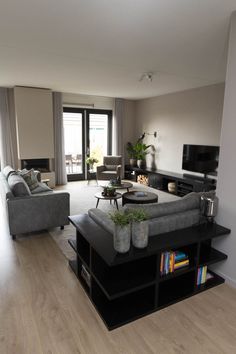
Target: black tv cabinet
x=124, y=287
x=159, y=179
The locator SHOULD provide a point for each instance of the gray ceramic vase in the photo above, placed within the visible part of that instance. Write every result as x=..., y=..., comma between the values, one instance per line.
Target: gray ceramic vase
x=121, y=238
x=140, y=234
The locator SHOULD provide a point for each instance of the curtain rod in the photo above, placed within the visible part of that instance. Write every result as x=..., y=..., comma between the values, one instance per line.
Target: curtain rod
x=79, y=104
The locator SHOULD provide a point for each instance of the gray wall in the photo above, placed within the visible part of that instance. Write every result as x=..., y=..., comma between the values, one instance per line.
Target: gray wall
x=191, y=117
x=226, y=188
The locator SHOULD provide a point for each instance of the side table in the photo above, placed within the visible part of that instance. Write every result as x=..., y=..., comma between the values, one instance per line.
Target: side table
x=103, y=197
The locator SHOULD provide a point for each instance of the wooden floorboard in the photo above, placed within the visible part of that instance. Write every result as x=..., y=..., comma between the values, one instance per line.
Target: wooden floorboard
x=43, y=309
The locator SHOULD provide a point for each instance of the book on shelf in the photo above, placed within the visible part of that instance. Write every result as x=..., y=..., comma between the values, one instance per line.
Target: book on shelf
x=173, y=260
x=203, y=275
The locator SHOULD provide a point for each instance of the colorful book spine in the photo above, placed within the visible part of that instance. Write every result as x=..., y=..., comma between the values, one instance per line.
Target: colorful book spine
x=172, y=260
x=202, y=275
x=181, y=264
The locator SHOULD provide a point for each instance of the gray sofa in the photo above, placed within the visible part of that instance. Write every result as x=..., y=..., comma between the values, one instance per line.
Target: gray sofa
x=35, y=210
x=164, y=217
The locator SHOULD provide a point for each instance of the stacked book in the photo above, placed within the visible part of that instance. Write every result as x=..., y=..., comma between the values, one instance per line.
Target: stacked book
x=173, y=260
x=203, y=275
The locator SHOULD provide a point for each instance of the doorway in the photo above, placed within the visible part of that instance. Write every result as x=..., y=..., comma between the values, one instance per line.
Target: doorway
x=87, y=132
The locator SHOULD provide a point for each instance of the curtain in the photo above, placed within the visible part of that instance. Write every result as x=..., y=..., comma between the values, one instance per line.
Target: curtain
x=118, y=143
x=8, y=147
x=60, y=166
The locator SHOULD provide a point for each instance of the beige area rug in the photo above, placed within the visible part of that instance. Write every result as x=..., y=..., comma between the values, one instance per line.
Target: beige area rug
x=82, y=199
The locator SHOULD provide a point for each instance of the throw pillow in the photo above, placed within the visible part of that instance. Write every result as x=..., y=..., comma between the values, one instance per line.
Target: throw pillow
x=30, y=178
x=42, y=187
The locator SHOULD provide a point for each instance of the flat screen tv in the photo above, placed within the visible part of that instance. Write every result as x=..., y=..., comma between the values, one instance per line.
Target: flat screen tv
x=200, y=158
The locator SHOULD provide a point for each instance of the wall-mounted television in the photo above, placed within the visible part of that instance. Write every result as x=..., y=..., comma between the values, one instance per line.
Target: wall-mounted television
x=200, y=158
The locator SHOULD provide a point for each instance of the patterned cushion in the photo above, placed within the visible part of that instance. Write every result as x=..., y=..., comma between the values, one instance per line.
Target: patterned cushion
x=41, y=188
x=30, y=178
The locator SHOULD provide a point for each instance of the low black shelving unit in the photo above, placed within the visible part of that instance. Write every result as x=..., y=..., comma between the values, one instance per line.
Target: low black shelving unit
x=160, y=179
x=124, y=287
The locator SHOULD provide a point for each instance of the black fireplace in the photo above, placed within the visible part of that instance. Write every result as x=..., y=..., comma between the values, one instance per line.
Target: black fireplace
x=41, y=165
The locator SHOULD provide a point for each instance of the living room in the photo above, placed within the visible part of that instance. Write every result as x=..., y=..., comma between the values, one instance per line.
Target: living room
x=178, y=86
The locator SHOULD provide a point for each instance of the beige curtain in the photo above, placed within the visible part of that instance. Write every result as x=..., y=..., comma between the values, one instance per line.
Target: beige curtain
x=60, y=165
x=118, y=143
x=8, y=145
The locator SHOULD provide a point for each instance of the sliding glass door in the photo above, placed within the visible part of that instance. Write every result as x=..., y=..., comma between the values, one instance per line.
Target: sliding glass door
x=99, y=134
x=86, y=133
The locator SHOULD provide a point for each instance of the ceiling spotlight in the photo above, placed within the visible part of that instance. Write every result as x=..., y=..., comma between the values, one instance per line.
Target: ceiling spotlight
x=146, y=76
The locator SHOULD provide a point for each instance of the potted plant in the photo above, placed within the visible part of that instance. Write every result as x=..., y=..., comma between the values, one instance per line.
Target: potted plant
x=111, y=190
x=139, y=227
x=140, y=153
x=121, y=236
x=132, y=154
x=91, y=161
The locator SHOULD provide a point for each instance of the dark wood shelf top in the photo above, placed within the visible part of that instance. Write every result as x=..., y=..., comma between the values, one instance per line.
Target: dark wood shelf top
x=211, y=257
x=102, y=241
x=176, y=273
x=174, y=175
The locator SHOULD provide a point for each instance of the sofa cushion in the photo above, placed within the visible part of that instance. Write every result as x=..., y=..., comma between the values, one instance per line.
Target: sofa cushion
x=41, y=188
x=155, y=210
x=18, y=185
x=7, y=171
x=111, y=167
x=30, y=178
x=173, y=222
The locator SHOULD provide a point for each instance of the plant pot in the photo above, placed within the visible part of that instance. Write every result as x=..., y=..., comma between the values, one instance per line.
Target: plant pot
x=121, y=238
x=140, y=234
x=171, y=187
x=133, y=162
x=141, y=164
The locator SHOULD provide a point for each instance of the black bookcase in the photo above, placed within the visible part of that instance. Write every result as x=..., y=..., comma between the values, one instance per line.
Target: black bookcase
x=159, y=179
x=124, y=287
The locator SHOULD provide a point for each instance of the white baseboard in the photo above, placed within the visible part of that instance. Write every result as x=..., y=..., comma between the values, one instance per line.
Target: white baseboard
x=228, y=280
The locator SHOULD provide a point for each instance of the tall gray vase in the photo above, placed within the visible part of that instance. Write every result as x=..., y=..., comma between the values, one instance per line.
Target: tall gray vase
x=121, y=238
x=140, y=234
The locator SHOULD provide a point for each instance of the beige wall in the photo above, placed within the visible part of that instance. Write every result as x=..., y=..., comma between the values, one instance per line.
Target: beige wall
x=226, y=190
x=190, y=117
x=34, y=123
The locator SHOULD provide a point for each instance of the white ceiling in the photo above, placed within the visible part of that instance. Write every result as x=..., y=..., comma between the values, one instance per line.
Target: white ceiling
x=101, y=47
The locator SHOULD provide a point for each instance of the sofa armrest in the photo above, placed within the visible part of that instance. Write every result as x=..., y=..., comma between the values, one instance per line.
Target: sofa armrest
x=38, y=212
x=118, y=170
x=100, y=168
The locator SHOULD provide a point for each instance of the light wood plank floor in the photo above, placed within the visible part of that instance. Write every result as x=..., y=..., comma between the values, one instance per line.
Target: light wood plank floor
x=43, y=309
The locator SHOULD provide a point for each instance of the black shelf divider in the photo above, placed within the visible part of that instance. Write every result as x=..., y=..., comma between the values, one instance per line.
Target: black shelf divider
x=124, y=287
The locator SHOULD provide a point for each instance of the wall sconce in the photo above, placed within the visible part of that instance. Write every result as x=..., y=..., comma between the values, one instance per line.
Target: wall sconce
x=144, y=134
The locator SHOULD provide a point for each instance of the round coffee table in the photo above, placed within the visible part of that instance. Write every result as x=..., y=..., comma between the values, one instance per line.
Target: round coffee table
x=103, y=197
x=139, y=197
x=123, y=185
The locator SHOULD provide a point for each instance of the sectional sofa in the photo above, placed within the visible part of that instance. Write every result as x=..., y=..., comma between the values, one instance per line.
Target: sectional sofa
x=28, y=211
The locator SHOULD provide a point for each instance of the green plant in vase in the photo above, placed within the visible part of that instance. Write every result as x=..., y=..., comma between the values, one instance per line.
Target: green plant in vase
x=132, y=154
x=139, y=228
x=121, y=235
x=141, y=150
x=91, y=161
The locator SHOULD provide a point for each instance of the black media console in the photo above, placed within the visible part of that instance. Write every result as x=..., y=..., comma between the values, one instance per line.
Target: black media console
x=159, y=179
x=125, y=287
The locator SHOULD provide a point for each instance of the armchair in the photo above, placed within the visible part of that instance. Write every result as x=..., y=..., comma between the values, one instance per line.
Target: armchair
x=111, y=168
